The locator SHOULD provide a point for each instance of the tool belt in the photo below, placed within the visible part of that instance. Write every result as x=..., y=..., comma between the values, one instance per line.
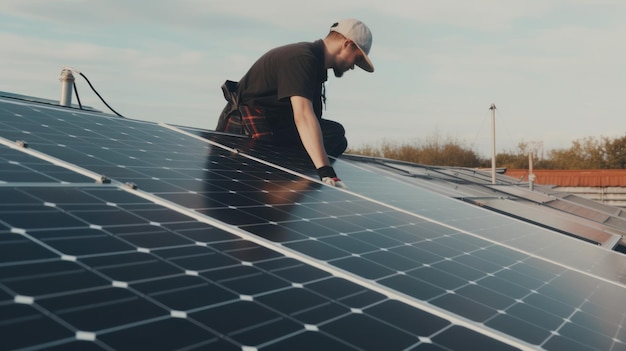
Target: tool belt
x=241, y=119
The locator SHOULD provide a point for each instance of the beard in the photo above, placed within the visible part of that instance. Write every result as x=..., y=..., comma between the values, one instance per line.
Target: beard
x=338, y=72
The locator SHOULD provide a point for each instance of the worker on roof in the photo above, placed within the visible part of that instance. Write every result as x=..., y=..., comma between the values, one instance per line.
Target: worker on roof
x=279, y=100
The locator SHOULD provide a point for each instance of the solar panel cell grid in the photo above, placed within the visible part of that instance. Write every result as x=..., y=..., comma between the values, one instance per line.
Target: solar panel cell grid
x=17, y=166
x=114, y=252
x=470, y=295
x=113, y=297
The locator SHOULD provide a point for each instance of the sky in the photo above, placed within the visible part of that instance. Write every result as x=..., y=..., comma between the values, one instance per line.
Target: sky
x=555, y=69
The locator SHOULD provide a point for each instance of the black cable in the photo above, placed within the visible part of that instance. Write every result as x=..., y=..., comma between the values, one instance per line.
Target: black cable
x=101, y=99
x=80, y=106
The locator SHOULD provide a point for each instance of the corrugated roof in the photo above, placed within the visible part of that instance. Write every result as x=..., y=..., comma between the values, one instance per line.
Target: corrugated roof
x=581, y=178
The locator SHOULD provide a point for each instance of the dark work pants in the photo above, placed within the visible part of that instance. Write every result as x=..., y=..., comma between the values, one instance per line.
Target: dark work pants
x=333, y=133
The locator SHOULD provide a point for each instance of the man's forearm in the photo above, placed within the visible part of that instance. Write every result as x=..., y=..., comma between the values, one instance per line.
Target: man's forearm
x=311, y=136
x=309, y=131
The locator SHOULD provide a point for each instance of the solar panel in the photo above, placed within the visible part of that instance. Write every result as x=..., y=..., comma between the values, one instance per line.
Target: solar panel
x=564, y=216
x=562, y=222
x=106, y=274
x=572, y=254
x=555, y=198
x=20, y=167
x=523, y=193
x=233, y=244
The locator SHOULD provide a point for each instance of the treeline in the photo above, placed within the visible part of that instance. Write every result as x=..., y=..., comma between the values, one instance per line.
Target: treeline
x=585, y=153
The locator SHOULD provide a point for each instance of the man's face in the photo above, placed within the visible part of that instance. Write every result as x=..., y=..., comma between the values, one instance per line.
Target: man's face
x=347, y=58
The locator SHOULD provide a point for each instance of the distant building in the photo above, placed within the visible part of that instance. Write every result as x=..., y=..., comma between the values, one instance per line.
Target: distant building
x=607, y=186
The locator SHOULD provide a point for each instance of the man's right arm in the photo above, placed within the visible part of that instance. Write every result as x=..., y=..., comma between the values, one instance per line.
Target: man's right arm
x=311, y=136
x=309, y=130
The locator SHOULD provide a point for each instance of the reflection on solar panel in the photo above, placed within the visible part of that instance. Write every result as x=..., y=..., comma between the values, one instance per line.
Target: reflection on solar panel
x=121, y=234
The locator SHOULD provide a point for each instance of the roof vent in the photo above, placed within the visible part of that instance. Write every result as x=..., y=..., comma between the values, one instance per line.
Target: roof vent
x=67, y=83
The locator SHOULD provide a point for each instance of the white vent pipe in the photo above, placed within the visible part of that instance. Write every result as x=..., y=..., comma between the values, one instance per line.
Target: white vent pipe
x=67, y=84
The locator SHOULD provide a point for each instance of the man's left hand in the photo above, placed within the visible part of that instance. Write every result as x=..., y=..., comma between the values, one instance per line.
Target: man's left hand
x=336, y=182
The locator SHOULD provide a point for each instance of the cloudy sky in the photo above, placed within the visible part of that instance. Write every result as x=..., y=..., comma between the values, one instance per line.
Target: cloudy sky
x=555, y=69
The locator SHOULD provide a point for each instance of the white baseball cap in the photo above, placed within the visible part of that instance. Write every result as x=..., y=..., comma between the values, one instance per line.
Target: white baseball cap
x=358, y=32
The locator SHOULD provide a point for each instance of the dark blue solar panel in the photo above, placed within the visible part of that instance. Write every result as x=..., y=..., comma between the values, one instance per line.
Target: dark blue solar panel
x=90, y=285
x=470, y=267
x=458, y=273
x=16, y=166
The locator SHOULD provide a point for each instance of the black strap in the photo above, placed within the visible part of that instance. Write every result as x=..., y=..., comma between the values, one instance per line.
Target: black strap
x=326, y=171
x=231, y=110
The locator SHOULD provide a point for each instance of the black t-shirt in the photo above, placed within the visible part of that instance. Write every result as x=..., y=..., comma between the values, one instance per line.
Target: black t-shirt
x=290, y=70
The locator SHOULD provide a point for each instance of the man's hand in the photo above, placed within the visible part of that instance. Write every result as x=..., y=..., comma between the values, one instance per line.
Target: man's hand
x=336, y=182
x=327, y=175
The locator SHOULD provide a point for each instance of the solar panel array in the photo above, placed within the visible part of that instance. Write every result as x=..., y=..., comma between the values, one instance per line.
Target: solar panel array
x=564, y=213
x=123, y=234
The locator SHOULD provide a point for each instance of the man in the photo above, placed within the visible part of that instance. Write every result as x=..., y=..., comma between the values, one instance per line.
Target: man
x=279, y=100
